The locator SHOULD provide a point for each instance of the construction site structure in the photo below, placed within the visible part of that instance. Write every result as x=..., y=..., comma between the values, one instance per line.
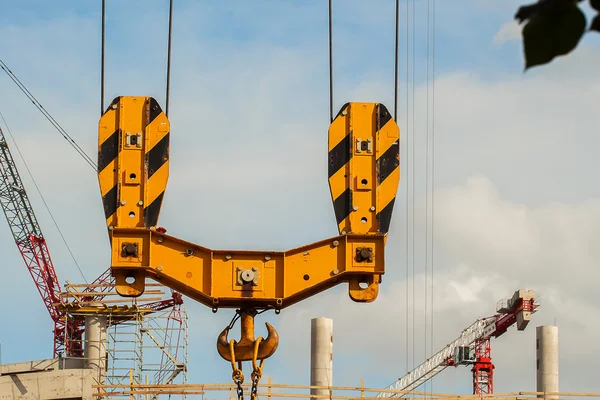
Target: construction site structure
x=124, y=344
x=546, y=347
x=473, y=347
x=321, y=355
x=32, y=245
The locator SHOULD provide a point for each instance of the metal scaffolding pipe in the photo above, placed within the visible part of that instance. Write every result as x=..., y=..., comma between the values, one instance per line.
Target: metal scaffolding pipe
x=547, y=360
x=321, y=355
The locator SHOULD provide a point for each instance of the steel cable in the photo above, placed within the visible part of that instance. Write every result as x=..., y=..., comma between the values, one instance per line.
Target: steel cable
x=42, y=197
x=330, y=65
x=46, y=114
x=169, y=57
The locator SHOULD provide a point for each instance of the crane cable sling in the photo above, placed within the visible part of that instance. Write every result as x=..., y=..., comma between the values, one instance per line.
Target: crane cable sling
x=432, y=170
x=46, y=114
x=102, y=57
x=103, y=47
x=397, y=25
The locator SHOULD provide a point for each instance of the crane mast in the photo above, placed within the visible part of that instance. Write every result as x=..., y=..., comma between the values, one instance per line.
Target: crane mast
x=29, y=239
x=32, y=245
x=476, y=337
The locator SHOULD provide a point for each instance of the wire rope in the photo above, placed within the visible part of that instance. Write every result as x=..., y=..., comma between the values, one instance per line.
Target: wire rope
x=414, y=23
x=102, y=57
x=330, y=64
x=425, y=294
x=432, y=172
x=46, y=114
x=408, y=138
x=396, y=61
x=169, y=57
x=42, y=197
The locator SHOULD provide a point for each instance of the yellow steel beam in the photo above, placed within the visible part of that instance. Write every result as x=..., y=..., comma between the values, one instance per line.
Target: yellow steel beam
x=364, y=173
x=224, y=278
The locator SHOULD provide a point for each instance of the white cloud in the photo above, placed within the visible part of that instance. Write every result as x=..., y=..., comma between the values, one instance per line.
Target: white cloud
x=485, y=254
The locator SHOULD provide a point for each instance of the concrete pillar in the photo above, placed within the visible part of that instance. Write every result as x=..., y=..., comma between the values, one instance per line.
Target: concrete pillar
x=94, y=351
x=547, y=359
x=321, y=354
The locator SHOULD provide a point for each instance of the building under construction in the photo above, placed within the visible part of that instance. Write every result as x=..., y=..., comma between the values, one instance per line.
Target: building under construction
x=125, y=334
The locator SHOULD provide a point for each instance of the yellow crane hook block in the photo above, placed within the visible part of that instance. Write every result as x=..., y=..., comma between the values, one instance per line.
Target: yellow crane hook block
x=133, y=158
x=364, y=167
x=133, y=161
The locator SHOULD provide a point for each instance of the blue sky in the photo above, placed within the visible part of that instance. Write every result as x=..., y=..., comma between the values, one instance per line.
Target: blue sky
x=516, y=204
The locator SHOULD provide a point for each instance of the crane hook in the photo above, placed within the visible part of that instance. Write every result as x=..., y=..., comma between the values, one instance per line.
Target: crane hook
x=244, y=350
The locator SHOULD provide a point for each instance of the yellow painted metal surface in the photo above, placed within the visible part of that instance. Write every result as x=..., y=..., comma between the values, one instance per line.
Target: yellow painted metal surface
x=364, y=167
x=222, y=278
x=133, y=161
x=363, y=176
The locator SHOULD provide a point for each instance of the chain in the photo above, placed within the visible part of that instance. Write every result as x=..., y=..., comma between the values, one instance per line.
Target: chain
x=238, y=380
x=256, y=370
x=237, y=375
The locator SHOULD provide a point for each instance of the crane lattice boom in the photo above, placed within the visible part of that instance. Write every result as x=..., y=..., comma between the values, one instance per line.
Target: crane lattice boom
x=517, y=309
x=32, y=245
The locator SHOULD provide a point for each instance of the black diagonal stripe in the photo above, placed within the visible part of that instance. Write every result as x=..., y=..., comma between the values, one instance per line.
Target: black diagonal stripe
x=109, y=200
x=115, y=101
x=383, y=116
x=109, y=149
x=339, y=155
x=388, y=162
x=341, y=205
x=151, y=212
x=154, y=110
x=384, y=217
x=158, y=155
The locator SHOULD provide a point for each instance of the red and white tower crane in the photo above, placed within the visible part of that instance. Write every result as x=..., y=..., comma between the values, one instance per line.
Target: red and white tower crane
x=472, y=347
x=33, y=248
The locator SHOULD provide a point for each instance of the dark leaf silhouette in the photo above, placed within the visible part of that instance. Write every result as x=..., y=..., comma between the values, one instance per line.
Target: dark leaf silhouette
x=553, y=28
x=595, y=26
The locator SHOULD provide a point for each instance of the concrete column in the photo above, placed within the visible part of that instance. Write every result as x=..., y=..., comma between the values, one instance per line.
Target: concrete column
x=94, y=351
x=321, y=354
x=547, y=359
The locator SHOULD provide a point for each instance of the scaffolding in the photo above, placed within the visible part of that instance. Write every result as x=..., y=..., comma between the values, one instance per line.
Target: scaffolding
x=143, y=345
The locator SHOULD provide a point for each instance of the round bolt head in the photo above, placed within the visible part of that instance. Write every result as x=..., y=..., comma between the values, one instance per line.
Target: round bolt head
x=140, y=203
x=335, y=271
x=372, y=208
x=343, y=232
x=123, y=202
x=228, y=256
x=306, y=253
x=355, y=208
x=160, y=239
x=159, y=268
x=336, y=243
x=110, y=228
x=267, y=257
x=247, y=276
x=114, y=107
x=254, y=269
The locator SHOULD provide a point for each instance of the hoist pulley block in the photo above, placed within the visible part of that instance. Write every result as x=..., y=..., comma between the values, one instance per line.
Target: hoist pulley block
x=133, y=158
